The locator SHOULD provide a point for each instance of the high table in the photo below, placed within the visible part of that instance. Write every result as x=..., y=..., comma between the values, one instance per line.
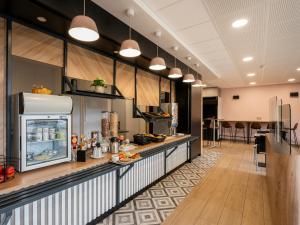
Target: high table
x=248, y=125
x=214, y=121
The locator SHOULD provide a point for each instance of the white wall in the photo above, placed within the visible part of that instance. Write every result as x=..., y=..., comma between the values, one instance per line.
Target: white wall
x=210, y=92
x=254, y=102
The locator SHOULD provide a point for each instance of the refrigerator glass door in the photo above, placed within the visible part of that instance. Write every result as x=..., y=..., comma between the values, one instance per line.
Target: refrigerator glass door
x=45, y=141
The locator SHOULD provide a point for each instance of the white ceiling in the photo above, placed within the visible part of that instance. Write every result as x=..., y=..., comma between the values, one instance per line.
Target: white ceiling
x=202, y=29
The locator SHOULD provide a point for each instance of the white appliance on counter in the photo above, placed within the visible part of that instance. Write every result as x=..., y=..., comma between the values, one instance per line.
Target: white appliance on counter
x=42, y=135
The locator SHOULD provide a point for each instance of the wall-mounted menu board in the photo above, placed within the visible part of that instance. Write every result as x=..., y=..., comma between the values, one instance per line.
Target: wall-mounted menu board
x=32, y=44
x=165, y=85
x=2, y=86
x=88, y=65
x=125, y=79
x=147, y=89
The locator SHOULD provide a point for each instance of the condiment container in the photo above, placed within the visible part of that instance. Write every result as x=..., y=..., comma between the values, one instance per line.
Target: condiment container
x=97, y=153
x=95, y=135
x=114, y=145
x=115, y=158
x=81, y=156
x=113, y=124
x=105, y=124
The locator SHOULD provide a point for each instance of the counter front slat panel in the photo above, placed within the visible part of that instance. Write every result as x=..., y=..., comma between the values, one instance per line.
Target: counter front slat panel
x=141, y=175
x=179, y=156
x=79, y=204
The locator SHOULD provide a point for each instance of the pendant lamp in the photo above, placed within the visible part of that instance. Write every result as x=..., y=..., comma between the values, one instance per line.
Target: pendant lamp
x=83, y=28
x=188, y=78
x=130, y=48
x=175, y=72
x=157, y=63
x=198, y=82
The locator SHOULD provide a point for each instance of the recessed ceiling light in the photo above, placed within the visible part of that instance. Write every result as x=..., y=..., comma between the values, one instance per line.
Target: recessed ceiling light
x=252, y=83
x=41, y=19
x=251, y=74
x=291, y=80
x=248, y=59
x=298, y=69
x=239, y=23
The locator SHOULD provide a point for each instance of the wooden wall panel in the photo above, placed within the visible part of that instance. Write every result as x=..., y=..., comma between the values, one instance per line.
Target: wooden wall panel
x=165, y=85
x=32, y=44
x=147, y=89
x=283, y=182
x=125, y=79
x=173, y=97
x=88, y=65
x=2, y=87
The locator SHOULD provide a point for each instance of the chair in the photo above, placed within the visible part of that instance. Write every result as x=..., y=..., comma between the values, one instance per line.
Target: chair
x=226, y=126
x=254, y=126
x=259, y=148
x=295, y=134
x=239, y=126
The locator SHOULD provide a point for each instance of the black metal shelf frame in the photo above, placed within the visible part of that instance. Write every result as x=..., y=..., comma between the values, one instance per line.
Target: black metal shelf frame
x=115, y=92
x=137, y=113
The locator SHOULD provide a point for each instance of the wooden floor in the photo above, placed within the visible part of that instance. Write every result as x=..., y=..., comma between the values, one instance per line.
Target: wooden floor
x=233, y=193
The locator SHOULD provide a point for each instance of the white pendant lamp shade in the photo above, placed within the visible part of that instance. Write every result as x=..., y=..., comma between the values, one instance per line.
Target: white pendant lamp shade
x=157, y=63
x=83, y=28
x=175, y=73
x=188, y=78
x=198, y=83
x=130, y=48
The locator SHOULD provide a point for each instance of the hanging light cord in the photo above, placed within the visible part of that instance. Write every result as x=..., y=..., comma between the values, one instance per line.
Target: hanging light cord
x=129, y=27
x=84, y=7
x=157, y=46
x=175, y=61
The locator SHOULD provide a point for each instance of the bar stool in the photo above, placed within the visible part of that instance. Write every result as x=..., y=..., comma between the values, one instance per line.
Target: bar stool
x=239, y=126
x=226, y=126
x=254, y=126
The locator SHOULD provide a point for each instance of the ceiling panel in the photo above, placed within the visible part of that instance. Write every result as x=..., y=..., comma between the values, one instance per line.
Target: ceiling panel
x=156, y=5
x=182, y=14
x=209, y=46
x=198, y=33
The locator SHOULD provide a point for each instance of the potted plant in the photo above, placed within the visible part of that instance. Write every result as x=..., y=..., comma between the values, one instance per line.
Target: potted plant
x=99, y=85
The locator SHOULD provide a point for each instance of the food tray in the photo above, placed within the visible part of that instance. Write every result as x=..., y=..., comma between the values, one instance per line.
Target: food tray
x=126, y=163
x=141, y=139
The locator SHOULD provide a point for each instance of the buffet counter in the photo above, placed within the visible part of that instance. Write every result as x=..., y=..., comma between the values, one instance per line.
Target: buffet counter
x=86, y=192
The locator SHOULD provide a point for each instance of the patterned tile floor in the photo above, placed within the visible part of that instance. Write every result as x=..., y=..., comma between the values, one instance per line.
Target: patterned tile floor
x=155, y=204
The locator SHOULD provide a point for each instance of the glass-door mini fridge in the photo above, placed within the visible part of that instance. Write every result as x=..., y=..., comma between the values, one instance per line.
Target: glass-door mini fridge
x=43, y=131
